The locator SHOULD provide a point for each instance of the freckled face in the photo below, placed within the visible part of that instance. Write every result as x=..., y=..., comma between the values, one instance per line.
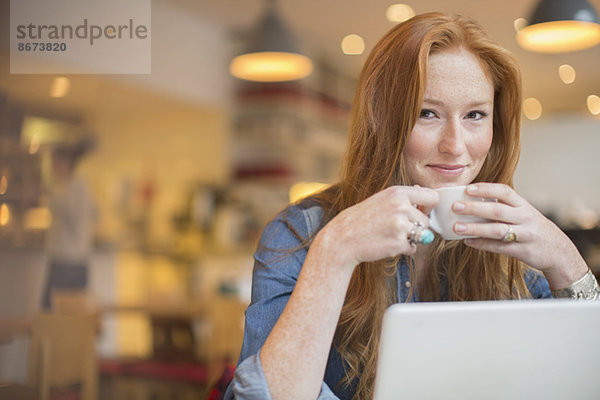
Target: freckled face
x=452, y=137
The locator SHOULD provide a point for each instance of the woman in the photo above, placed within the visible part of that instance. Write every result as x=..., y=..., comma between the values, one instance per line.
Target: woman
x=70, y=238
x=437, y=104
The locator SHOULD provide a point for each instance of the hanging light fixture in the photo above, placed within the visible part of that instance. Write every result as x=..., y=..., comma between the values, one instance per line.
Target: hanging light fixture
x=271, y=55
x=560, y=26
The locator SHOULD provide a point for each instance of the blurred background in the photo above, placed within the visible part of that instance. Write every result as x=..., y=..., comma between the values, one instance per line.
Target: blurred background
x=184, y=166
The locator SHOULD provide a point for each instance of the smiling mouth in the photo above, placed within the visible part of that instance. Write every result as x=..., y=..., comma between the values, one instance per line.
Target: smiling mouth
x=448, y=169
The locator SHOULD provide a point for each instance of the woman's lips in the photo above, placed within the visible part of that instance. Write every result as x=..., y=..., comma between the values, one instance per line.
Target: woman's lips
x=448, y=169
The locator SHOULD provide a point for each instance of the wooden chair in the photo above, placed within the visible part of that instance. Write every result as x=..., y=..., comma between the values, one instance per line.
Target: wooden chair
x=225, y=334
x=63, y=354
x=73, y=302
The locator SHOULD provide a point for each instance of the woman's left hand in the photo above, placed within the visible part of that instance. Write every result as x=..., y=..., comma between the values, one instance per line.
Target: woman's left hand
x=539, y=242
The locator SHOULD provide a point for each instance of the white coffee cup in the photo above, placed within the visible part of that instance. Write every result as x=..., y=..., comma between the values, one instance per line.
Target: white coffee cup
x=442, y=218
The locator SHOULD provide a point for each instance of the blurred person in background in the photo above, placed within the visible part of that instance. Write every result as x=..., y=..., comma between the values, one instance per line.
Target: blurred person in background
x=437, y=104
x=69, y=240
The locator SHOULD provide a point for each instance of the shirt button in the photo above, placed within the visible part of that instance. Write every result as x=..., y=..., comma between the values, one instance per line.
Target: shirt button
x=407, y=284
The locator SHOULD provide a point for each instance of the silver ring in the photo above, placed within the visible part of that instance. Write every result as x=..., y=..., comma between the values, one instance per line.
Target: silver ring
x=419, y=234
x=509, y=236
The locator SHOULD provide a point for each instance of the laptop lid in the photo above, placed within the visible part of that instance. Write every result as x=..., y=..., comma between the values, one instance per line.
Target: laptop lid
x=544, y=349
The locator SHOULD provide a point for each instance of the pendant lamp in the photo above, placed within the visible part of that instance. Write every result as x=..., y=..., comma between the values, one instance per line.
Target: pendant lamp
x=271, y=54
x=560, y=26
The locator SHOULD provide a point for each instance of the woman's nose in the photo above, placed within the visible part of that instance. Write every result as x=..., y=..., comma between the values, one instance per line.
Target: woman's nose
x=452, y=139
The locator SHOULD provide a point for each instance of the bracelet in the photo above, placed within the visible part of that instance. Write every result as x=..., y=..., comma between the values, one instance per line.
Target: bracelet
x=585, y=288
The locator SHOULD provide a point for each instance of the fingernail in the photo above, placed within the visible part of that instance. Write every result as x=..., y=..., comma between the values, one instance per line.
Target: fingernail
x=472, y=188
x=468, y=241
x=458, y=227
x=458, y=206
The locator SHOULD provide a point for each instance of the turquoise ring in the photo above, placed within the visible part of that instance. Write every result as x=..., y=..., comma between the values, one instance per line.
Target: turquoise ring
x=420, y=235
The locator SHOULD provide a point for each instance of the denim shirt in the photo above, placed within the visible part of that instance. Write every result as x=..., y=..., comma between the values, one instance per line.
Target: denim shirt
x=277, y=264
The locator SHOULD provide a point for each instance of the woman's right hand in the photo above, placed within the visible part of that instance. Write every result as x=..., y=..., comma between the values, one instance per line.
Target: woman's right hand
x=379, y=226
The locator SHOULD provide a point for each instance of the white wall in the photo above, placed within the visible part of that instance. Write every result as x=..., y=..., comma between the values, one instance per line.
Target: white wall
x=190, y=57
x=560, y=163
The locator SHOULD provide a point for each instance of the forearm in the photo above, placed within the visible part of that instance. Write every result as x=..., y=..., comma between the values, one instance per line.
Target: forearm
x=295, y=354
x=568, y=266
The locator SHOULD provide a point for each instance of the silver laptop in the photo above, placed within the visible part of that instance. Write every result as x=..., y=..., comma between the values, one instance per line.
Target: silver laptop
x=544, y=349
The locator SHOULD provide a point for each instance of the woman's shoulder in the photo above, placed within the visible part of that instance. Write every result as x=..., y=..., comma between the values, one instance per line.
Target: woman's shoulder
x=285, y=240
x=302, y=218
x=310, y=211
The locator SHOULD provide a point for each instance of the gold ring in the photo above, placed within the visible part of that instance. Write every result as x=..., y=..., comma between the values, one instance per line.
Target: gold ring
x=509, y=236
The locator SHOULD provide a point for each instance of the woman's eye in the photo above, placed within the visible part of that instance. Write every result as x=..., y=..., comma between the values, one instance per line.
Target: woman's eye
x=427, y=114
x=476, y=115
